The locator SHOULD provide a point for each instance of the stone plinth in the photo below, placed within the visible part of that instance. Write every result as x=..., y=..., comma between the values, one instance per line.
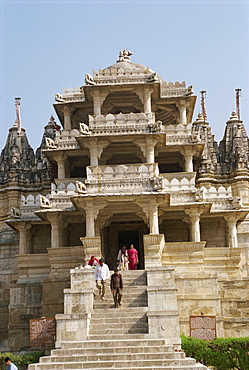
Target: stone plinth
x=184, y=256
x=91, y=247
x=33, y=266
x=163, y=316
x=223, y=261
x=153, y=247
x=64, y=259
x=74, y=324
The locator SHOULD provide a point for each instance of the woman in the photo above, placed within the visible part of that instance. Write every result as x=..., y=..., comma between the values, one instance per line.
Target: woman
x=122, y=259
x=93, y=261
x=133, y=257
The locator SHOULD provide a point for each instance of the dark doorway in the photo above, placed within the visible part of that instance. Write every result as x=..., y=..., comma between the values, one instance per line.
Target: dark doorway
x=128, y=237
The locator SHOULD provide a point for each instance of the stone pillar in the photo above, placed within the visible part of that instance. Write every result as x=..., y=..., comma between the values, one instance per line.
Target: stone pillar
x=96, y=148
x=98, y=99
x=57, y=230
x=232, y=230
x=60, y=160
x=153, y=219
x=150, y=149
x=163, y=315
x=182, y=107
x=194, y=216
x=67, y=110
x=188, y=157
x=147, y=100
x=90, y=231
x=24, y=235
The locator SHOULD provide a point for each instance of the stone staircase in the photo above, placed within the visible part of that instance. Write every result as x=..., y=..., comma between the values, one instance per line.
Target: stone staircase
x=119, y=337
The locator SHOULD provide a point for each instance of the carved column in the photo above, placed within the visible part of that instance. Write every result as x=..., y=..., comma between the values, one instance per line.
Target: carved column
x=98, y=99
x=188, y=153
x=150, y=149
x=57, y=230
x=147, y=100
x=90, y=230
x=24, y=235
x=232, y=230
x=67, y=110
x=182, y=107
x=96, y=149
x=60, y=160
x=194, y=215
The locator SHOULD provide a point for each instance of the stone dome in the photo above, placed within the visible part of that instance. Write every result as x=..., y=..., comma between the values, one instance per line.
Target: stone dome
x=125, y=63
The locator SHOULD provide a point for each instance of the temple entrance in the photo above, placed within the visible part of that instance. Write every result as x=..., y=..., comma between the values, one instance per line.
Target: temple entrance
x=116, y=235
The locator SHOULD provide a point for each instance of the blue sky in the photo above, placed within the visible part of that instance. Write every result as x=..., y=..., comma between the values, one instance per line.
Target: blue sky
x=50, y=45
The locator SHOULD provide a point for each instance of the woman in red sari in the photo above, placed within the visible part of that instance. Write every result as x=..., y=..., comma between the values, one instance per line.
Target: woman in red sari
x=133, y=257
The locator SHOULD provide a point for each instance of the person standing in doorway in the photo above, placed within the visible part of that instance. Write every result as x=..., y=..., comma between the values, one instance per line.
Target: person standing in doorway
x=102, y=274
x=122, y=259
x=117, y=287
x=10, y=365
x=133, y=257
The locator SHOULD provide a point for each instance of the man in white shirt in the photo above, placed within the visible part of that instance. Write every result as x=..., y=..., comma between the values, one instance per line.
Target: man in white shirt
x=10, y=365
x=102, y=273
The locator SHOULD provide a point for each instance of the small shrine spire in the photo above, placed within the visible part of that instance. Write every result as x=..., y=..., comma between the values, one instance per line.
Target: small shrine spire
x=18, y=115
x=237, y=102
x=124, y=55
x=203, y=105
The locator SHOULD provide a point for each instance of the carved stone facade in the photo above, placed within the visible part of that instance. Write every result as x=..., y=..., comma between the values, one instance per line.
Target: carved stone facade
x=129, y=165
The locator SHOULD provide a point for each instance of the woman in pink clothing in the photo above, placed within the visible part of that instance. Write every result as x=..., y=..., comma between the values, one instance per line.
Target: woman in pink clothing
x=133, y=257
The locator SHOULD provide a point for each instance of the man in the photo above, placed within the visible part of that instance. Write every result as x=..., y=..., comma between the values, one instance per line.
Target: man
x=10, y=365
x=102, y=273
x=117, y=287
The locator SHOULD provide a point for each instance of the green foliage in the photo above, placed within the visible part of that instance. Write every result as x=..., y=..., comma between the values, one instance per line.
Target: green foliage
x=21, y=361
x=221, y=353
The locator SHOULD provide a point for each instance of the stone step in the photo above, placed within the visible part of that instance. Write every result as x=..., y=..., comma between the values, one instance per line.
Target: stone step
x=114, y=350
x=124, y=342
x=108, y=337
x=115, y=357
x=76, y=366
x=118, y=320
x=121, y=312
x=121, y=331
x=74, y=363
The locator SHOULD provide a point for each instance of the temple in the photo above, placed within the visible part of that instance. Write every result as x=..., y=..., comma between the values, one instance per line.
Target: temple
x=126, y=163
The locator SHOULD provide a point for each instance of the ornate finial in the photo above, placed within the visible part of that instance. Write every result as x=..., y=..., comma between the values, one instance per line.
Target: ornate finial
x=234, y=116
x=18, y=115
x=203, y=105
x=124, y=55
x=238, y=94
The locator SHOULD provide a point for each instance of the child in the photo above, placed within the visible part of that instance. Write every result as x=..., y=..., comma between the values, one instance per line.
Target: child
x=117, y=287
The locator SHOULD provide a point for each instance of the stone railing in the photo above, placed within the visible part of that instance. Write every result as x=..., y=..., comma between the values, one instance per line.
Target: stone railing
x=71, y=94
x=122, y=178
x=66, y=139
x=123, y=124
x=178, y=181
x=120, y=76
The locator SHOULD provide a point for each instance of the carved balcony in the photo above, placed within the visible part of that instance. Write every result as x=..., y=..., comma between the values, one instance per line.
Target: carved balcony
x=132, y=178
x=123, y=124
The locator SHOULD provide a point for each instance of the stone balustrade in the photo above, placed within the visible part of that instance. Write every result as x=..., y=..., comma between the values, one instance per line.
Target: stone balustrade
x=133, y=178
x=178, y=181
x=123, y=124
x=65, y=139
x=73, y=94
